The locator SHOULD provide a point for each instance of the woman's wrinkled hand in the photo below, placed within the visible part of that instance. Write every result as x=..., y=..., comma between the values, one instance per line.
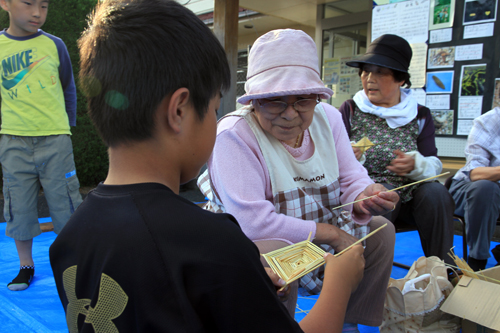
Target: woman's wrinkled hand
x=333, y=236
x=382, y=203
x=357, y=152
x=403, y=164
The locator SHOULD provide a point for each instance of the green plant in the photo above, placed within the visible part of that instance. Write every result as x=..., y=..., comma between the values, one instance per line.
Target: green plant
x=67, y=20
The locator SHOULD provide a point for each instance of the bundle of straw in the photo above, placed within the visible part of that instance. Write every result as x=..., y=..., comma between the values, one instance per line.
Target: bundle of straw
x=465, y=268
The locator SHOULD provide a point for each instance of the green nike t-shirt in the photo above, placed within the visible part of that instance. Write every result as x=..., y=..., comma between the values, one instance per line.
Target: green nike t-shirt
x=37, y=85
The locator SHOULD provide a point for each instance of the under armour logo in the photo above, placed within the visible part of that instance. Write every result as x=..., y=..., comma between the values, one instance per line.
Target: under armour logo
x=111, y=303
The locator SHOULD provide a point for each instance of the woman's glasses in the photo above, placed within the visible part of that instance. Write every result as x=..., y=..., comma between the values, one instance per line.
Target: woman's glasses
x=277, y=107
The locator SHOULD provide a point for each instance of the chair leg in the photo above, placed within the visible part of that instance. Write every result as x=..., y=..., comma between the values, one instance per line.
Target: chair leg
x=397, y=264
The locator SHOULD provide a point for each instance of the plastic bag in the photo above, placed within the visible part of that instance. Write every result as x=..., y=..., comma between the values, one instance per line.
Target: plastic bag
x=417, y=309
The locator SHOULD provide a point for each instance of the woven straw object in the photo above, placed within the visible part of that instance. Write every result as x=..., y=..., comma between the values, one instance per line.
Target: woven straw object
x=295, y=261
x=364, y=144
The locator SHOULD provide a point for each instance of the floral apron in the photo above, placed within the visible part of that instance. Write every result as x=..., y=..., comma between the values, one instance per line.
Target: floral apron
x=387, y=139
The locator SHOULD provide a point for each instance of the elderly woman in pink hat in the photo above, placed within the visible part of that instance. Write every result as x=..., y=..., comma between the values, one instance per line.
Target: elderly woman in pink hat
x=385, y=112
x=283, y=163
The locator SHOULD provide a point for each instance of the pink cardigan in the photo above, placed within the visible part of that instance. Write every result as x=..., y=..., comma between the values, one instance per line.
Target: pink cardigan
x=239, y=174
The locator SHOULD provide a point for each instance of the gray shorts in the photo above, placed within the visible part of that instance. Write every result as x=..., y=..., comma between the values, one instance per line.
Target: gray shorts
x=27, y=164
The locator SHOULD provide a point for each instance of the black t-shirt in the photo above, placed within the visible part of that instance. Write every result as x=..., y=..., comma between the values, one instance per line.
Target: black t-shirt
x=141, y=258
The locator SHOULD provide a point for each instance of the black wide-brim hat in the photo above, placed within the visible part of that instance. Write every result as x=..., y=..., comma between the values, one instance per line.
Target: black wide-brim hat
x=389, y=51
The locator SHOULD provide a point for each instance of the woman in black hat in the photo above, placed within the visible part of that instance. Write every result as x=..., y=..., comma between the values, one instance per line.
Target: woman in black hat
x=405, y=151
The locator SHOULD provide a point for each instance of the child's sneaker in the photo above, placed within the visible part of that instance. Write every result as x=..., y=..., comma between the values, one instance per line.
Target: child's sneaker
x=23, y=279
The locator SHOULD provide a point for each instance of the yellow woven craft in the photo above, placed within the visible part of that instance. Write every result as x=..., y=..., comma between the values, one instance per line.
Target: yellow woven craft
x=295, y=261
x=364, y=144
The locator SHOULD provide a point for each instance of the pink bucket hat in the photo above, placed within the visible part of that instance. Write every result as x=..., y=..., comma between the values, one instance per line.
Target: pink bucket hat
x=283, y=62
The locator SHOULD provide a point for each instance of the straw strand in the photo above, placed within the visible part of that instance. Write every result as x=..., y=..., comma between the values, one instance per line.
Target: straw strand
x=360, y=240
x=394, y=189
x=470, y=272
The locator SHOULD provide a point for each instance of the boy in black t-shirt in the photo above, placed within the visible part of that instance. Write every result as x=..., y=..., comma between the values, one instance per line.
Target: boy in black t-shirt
x=135, y=256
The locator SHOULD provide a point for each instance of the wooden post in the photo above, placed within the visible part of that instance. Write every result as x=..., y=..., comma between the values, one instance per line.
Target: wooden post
x=226, y=30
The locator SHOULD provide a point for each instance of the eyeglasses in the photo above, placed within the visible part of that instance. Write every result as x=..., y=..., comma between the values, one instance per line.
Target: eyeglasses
x=277, y=107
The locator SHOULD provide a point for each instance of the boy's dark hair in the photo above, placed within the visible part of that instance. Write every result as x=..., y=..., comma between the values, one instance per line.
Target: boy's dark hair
x=136, y=52
x=398, y=76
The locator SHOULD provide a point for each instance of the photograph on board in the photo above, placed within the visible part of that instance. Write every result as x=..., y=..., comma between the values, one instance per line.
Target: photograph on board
x=443, y=121
x=439, y=82
x=331, y=69
x=472, y=80
x=441, y=14
x=496, y=95
x=441, y=57
x=480, y=11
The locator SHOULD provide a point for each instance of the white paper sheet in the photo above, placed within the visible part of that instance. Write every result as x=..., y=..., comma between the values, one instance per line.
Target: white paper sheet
x=441, y=35
x=417, y=65
x=438, y=102
x=464, y=126
x=478, y=30
x=469, y=52
x=469, y=107
x=408, y=19
x=383, y=20
x=419, y=95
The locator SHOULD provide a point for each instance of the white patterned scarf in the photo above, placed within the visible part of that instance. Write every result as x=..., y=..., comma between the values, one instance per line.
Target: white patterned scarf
x=397, y=115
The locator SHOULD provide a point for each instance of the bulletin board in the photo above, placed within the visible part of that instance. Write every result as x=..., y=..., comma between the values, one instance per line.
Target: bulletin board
x=462, y=66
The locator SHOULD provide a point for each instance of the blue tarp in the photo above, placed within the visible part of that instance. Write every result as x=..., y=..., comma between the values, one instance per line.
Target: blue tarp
x=38, y=308
x=407, y=251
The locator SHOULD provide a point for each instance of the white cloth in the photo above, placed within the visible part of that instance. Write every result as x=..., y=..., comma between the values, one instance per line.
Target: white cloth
x=425, y=166
x=321, y=169
x=397, y=115
x=483, y=144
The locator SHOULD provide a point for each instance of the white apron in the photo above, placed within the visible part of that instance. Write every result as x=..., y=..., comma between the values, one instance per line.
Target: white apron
x=307, y=190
